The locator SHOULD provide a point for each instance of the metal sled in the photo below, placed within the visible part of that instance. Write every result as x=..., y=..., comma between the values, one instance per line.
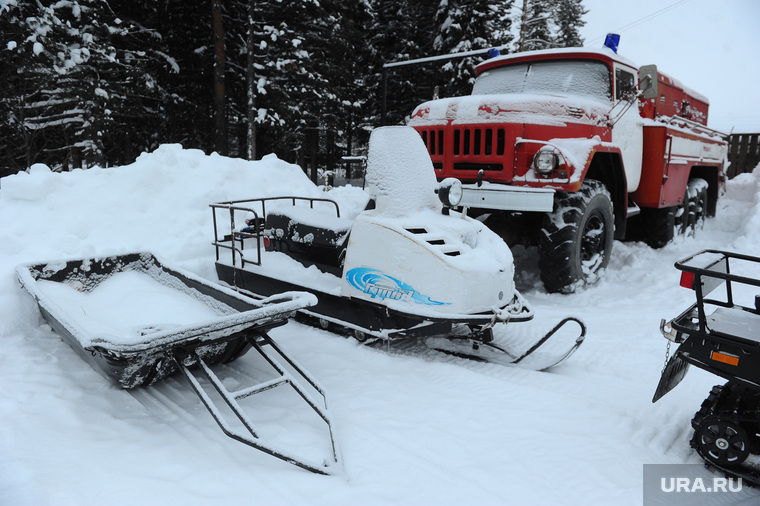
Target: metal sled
x=198, y=325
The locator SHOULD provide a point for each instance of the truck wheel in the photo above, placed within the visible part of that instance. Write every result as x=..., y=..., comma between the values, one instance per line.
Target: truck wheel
x=576, y=238
x=658, y=226
x=661, y=225
x=697, y=191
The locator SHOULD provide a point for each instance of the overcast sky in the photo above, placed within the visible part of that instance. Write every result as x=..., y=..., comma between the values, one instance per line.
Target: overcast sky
x=711, y=46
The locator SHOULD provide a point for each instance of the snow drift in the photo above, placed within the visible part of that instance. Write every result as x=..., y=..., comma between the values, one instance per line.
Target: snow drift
x=415, y=427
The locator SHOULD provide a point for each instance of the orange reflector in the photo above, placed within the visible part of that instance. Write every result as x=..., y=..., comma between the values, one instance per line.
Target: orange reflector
x=726, y=359
x=687, y=280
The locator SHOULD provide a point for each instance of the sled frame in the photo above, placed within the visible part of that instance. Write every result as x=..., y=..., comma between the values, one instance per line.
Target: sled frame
x=272, y=353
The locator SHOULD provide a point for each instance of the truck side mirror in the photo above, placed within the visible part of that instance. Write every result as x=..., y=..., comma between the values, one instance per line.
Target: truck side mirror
x=649, y=82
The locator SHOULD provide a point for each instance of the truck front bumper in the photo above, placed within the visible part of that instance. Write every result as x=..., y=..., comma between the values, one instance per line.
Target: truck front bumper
x=507, y=198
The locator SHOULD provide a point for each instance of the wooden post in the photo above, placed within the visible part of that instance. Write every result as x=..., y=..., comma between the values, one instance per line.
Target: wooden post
x=743, y=153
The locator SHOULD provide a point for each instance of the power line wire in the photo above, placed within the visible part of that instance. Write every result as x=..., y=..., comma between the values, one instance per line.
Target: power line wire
x=642, y=20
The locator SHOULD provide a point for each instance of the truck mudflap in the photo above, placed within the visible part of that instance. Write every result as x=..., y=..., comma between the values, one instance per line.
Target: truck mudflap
x=507, y=198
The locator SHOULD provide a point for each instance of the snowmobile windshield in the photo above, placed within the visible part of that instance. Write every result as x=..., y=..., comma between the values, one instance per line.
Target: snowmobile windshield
x=576, y=77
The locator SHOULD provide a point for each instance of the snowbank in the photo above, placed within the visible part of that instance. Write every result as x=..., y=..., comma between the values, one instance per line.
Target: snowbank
x=415, y=427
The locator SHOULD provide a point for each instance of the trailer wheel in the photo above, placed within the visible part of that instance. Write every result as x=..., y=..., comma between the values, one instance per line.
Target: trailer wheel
x=576, y=239
x=722, y=442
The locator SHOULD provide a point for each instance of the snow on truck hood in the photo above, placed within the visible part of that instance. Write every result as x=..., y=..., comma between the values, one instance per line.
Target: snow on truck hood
x=555, y=110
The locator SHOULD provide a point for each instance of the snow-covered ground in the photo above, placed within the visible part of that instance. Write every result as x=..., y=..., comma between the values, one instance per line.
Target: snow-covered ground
x=413, y=429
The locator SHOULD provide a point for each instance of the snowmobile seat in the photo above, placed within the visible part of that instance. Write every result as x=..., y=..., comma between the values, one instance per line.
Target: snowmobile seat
x=311, y=236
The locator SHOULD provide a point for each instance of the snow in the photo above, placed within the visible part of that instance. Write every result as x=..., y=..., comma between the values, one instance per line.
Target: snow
x=554, y=110
x=124, y=305
x=577, y=78
x=400, y=173
x=415, y=427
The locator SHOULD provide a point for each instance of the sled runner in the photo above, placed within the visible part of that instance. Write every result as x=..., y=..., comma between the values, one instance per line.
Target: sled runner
x=720, y=333
x=138, y=321
x=408, y=266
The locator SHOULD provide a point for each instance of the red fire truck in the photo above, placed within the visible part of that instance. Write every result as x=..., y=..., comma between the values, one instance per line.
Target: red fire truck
x=568, y=149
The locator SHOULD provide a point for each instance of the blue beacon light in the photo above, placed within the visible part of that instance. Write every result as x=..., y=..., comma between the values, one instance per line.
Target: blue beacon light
x=612, y=41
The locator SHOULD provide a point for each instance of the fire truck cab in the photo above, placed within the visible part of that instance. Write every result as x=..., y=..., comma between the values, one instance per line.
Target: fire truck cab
x=562, y=148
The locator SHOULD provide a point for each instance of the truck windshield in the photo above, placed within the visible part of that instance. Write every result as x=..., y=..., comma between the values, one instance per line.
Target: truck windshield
x=566, y=77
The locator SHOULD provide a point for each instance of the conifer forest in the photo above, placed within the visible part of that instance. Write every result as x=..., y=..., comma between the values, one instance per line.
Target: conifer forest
x=97, y=82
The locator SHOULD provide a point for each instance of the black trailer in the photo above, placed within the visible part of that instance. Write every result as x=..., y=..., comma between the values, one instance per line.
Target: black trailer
x=720, y=333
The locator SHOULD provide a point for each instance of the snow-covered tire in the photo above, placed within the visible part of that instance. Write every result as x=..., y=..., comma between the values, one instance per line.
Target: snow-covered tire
x=696, y=189
x=661, y=225
x=576, y=238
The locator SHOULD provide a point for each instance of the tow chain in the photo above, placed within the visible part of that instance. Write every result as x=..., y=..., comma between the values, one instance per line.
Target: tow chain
x=667, y=356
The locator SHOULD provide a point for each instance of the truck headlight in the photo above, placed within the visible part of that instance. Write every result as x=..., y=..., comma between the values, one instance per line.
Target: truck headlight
x=545, y=161
x=450, y=192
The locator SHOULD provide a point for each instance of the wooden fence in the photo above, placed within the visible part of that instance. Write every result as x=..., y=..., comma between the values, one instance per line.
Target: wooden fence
x=743, y=153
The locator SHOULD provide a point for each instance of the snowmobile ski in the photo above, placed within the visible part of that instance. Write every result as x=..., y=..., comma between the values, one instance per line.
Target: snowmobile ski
x=490, y=351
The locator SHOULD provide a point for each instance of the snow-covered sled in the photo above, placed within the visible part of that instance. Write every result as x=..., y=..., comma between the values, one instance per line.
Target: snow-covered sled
x=409, y=266
x=138, y=321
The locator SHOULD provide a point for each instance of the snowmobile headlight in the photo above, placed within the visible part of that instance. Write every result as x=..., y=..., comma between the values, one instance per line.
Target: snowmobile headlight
x=545, y=161
x=450, y=192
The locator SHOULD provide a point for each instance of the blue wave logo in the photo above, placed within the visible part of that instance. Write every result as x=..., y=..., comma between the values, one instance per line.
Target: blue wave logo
x=381, y=286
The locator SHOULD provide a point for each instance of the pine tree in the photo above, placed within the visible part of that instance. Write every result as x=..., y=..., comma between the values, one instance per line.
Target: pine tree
x=550, y=23
x=182, y=45
x=399, y=31
x=18, y=144
x=536, y=31
x=466, y=25
x=568, y=16
x=82, y=87
x=99, y=81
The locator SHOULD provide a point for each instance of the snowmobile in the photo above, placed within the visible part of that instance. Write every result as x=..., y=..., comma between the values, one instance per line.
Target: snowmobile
x=720, y=333
x=408, y=267
x=138, y=321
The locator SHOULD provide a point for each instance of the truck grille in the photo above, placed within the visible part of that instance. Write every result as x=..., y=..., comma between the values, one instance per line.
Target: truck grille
x=479, y=141
x=465, y=148
x=467, y=141
x=433, y=139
